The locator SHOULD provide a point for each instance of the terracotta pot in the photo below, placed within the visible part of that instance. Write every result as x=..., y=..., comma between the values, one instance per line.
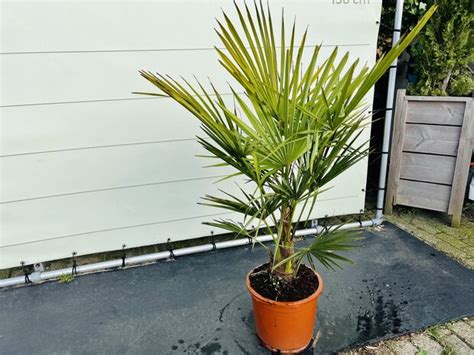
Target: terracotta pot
x=285, y=326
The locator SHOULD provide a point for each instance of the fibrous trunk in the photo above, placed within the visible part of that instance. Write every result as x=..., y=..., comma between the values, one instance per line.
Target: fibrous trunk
x=286, y=247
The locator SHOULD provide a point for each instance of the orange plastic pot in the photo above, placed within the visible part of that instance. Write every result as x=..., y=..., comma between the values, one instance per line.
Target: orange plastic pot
x=285, y=326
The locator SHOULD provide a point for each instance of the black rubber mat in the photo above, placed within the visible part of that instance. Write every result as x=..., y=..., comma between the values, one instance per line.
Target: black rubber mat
x=199, y=304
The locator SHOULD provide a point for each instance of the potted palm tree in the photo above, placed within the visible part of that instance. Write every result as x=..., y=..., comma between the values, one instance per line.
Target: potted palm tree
x=295, y=129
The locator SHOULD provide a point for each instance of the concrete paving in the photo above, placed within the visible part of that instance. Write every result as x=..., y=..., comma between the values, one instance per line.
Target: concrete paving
x=198, y=304
x=436, y=340
x=425, y=342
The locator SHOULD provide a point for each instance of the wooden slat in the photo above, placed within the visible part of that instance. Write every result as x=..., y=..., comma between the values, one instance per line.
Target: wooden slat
x=431, y=139
x=436, y=112
x=396, y=150
x=428, y=168
x=462, y=166
x=439, y=98
x=423, y=195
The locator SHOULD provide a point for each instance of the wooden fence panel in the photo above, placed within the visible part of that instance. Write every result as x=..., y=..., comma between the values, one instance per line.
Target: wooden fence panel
x=430, y=153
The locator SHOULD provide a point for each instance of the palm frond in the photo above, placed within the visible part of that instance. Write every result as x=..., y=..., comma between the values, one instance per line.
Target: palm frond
x=326, y=248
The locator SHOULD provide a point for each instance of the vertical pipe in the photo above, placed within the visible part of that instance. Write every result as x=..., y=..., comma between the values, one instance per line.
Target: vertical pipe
x=389, y=113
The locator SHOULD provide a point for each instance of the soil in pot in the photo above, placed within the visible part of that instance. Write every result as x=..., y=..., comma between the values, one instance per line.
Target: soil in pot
x=270, y=286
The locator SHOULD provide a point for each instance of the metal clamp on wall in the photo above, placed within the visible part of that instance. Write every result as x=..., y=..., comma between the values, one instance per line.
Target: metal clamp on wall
x=324, y=225
x=74, y=264
x=124, y=255
x=169, y=245
x=393, y=29
x=27, y=279
x=213, y=242
x=360, y=218
x=381, y=110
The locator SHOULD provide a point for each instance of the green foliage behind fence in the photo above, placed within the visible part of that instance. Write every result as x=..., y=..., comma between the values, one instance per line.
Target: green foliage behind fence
x=444, y=52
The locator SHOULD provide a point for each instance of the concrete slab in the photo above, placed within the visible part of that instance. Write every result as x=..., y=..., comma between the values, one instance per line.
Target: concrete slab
x=199, y=304
x=464, y=331
x=455, y=342
x=424, y=343
x=404, y=348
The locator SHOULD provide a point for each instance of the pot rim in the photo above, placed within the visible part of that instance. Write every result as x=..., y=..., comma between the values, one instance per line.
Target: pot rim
x=255, y=294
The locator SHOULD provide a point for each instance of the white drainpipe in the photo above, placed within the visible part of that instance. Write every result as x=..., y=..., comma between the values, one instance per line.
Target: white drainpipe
x=149, y=258
x=389, y=114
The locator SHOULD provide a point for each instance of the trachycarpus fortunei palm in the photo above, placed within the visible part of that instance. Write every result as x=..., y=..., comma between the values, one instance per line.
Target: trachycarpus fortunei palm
x=294, y=130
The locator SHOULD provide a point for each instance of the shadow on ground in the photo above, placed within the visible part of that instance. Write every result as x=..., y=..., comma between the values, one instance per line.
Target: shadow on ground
x=199, y=304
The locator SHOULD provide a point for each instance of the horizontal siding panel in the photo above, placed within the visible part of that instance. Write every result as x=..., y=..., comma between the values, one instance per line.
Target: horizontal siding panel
x=101, y=241
x=55, y=78
x=52, y=175
x=431, y=112
x=29, y=129
x=428, y=168
x=431, y=139
x=103, y=210
x=52, y=78
x=32, y=26
x=79, y=213
x=39, y=175
x=423, y=195
x=116, y=209
x=49, y=128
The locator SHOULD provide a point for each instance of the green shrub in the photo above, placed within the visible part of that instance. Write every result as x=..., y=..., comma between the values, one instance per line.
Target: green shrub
x=444, y=52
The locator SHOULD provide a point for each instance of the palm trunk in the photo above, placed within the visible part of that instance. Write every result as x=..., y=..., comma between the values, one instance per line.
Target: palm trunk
x=286, y=247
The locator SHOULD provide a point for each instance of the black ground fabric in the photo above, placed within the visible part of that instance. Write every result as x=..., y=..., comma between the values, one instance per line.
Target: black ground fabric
x=199, y=304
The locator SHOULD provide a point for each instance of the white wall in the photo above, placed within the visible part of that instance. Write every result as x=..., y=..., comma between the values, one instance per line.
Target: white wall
x=85, y=165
